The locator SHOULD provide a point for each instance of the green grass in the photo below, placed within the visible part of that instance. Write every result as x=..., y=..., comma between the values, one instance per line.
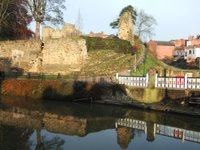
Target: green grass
x=150, y=62
x=106, y=62
x=96, y=44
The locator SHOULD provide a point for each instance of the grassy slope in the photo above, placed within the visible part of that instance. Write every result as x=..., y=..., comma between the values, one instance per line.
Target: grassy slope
x=150, y=62
x=106, y=62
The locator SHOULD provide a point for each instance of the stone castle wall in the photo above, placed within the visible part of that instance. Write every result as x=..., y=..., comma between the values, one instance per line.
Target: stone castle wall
x=19, y=54
x=63, y=55
x=126, y=29
x=68, y=30
x=62, y=52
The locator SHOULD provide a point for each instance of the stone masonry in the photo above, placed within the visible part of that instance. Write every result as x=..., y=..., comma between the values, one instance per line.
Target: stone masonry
x=63, y=55
x=68, y=30
x=126, y=29
x=62, y=51
x=19, y=54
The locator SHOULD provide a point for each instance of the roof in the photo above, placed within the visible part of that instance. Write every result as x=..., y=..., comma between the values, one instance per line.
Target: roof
x=193, y=46
x=165, y=43
x=180, y=48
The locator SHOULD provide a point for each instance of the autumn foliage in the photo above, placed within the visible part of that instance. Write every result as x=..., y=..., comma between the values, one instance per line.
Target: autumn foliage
x=14, y=22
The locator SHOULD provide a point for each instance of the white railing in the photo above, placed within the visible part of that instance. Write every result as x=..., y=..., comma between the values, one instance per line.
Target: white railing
x=133, y=81
x=178, y=82
x=193, y=83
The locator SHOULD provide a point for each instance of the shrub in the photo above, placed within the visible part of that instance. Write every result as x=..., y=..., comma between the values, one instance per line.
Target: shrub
x=95, y=43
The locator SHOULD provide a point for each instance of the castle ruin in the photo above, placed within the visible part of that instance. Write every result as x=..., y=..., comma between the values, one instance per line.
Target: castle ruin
x=61, y=51
x=126, y=27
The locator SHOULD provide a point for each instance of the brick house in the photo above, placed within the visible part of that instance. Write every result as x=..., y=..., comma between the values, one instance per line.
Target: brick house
x=162, y=49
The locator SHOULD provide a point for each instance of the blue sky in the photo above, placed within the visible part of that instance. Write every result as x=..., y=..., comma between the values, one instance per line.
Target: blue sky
x=175, y=18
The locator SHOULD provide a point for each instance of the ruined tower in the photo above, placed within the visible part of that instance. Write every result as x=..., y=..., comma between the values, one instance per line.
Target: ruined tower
x=126, y=27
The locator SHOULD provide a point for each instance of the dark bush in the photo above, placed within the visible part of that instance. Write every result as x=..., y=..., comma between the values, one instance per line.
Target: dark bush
x=95, y=43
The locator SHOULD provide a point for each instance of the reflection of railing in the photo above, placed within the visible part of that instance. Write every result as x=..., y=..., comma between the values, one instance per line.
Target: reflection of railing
x=132, y=123
x=133, y=81
x=178, y=133
x=164, y=130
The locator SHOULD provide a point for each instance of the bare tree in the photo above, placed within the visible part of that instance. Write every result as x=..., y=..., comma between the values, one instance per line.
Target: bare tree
x=145, y=25
x=4, y=10
x=44, y=11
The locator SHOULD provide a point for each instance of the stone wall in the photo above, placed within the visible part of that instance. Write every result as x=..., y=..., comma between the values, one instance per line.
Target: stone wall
x=62, y=52
x=19, y=54
x=68, y=30
x=126, y=29
x=63, y=55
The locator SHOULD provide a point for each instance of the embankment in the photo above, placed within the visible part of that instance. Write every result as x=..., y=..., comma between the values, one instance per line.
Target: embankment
x=62, y=89
x=77, y=89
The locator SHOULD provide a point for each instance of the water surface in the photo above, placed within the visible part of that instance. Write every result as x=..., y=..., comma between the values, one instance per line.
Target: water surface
x=25, y=124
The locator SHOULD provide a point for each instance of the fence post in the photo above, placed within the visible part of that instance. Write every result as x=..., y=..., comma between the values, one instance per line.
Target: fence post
x=186, y=82
x=156, y=80
x=147, y=79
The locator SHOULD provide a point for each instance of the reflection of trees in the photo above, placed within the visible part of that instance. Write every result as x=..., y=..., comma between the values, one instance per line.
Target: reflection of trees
x=124, y=136
x=43, y=144
x=14, y=138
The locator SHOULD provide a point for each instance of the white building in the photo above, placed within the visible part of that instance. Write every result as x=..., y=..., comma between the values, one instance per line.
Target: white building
x=192, y=52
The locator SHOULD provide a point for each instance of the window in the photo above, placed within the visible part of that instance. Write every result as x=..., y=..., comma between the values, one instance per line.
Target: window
x=190, y=51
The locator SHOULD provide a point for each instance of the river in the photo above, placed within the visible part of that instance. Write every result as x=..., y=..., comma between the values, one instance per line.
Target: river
x=36, y=125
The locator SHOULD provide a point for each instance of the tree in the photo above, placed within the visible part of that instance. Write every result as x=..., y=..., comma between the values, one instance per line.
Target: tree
x=44, y=11
x=144, y=25
x=5, y=11
x=14, y=19
x=130, y=9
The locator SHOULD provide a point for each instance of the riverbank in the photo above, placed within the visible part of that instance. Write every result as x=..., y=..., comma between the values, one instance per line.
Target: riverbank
x=170, y=108
x=101, y=92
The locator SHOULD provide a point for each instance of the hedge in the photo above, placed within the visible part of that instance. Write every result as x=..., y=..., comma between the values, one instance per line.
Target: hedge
x=95, y=43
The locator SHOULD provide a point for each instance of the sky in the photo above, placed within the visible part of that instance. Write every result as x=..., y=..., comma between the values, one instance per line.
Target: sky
x=175, y=18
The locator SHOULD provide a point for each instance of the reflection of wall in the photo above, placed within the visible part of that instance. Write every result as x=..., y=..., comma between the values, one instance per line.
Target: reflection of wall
x=150, y=131
x=124, y=136
x=65, y=124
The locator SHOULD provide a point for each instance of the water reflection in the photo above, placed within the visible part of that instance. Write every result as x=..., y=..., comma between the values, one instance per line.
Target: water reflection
x=50, y=125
